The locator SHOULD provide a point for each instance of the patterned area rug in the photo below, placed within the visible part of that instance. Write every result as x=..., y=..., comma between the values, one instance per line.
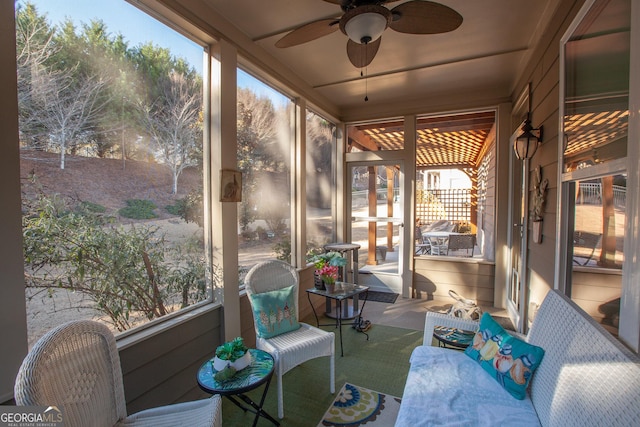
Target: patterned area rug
x=358, y=406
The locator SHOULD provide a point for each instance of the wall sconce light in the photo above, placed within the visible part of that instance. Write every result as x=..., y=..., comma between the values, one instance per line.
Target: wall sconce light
x=526, y=144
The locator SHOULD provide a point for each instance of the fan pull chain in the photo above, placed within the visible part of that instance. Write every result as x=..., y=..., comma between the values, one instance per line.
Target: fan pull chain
x=366, y=71
x=366, y=86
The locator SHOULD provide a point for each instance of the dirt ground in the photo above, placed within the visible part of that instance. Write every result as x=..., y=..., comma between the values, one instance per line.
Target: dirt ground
x=107, y=182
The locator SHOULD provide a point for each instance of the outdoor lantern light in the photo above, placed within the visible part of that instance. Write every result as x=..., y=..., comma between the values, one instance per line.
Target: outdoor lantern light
x=526, y=144
x=365, y=24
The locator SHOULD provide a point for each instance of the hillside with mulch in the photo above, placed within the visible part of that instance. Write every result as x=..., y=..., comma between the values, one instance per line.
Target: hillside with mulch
x=107, y=182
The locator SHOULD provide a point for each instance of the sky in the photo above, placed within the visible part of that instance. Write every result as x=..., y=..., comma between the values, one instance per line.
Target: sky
x=136, y=26
x=120, y=17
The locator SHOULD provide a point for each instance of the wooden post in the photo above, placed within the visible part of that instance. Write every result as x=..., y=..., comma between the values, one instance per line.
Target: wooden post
x=373, y=208
x=608, y=252
x=390, y=188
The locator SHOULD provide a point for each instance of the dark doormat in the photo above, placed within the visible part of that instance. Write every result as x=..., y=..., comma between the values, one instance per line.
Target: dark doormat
x=378, y=296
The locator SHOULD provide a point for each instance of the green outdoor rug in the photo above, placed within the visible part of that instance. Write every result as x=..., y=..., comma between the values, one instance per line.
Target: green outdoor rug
x=355, y=406
x=380, y=364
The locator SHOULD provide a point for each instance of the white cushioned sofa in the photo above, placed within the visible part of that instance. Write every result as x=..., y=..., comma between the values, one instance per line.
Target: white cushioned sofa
x=586, y=377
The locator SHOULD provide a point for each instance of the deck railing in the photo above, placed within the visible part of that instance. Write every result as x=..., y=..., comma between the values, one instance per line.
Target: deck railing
x=590, y=193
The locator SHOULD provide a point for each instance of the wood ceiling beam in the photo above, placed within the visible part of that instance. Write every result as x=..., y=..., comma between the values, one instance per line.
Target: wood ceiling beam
x=361, y=139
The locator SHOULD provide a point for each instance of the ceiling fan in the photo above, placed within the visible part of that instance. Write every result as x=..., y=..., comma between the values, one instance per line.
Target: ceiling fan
x=364, y=21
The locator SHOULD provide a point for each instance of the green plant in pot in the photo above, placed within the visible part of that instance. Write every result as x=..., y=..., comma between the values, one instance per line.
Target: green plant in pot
x=327, y=259
x=231, y=357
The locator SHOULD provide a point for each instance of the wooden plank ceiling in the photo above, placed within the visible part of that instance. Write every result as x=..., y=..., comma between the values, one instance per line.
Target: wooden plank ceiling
x=442, y=142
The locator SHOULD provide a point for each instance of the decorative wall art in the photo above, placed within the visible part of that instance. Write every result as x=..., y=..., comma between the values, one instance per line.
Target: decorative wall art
x=539, y=194
x=230, y=185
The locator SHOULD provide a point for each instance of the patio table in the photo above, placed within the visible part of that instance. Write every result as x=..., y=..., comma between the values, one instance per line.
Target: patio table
x=257, y=373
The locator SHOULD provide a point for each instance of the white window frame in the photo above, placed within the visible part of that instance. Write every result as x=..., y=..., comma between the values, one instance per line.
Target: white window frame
x=629, y=330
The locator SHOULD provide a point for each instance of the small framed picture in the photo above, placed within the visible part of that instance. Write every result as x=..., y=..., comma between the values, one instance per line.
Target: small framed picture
x=230, y=185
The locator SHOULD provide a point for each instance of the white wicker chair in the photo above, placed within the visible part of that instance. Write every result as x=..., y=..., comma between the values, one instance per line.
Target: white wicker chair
x=292, y=348
x=76, y=366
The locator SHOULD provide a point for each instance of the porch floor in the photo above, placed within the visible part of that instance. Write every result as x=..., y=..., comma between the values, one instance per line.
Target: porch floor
x=305, y=387
x=410, y=313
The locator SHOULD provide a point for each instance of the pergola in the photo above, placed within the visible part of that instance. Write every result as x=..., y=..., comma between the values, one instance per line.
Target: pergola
x=444, y=142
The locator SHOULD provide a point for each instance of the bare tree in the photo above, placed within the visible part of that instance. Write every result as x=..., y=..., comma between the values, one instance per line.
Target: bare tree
x=256, y=120
x=173, y=121
x=66, y=105
x=34, y=47
x=320, y=147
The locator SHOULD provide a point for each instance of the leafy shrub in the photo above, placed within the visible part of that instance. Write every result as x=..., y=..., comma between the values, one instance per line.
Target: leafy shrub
x=138, y=209
x=193, y=207
x=128, y=272
x=91, y=207
x=190, y=208
x=314, y=248
x=283, y=250
x=176, y=209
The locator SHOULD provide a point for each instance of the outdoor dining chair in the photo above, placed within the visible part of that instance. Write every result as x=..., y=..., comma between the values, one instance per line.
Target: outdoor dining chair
x=461, y=241
x=298, y=344
x=76, y=367
x=584, y=246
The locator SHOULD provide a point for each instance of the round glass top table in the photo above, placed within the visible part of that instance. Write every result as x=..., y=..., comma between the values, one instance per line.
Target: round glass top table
x=257, y=373
x=452, y=337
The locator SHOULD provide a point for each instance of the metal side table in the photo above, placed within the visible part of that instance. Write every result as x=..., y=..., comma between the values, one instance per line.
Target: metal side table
x=257, y=373
x=349, y=251
x=344, y=293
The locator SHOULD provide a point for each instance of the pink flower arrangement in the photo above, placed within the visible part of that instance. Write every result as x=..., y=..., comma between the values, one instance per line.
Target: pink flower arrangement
x=328, y=273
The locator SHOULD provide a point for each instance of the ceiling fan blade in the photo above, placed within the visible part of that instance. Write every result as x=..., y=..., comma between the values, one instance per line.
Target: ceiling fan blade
x=361, y=55
x=424, y=17
x=311, y=31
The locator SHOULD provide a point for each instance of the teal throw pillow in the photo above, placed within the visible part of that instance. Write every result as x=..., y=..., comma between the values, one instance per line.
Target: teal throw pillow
x=506, y=358
x=275, y=312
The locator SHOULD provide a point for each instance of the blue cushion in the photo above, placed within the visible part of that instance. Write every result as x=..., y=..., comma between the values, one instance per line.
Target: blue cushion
x=506, y=358
x=275, y=312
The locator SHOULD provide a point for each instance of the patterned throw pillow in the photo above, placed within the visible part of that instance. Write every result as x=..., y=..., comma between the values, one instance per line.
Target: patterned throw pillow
x=506, y=358
x=275, y=312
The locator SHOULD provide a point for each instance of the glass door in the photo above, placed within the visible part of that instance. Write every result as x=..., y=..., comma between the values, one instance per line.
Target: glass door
x=517, y=240
x=377, y=219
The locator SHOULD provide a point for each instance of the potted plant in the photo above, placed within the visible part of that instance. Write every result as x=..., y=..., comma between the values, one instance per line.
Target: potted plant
x=327, y=267
x=329, y=275
x=232, y=354
x=463, y=228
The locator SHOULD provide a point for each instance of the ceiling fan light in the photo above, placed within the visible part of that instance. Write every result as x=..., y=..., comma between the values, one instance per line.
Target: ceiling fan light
x=366, y=27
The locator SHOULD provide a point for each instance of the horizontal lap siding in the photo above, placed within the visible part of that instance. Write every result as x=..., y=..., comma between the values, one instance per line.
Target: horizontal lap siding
x=246, y=321
x=543, y=72
x=306, y=282
x=592, y=291
x=433, y=279
x=161, y=369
